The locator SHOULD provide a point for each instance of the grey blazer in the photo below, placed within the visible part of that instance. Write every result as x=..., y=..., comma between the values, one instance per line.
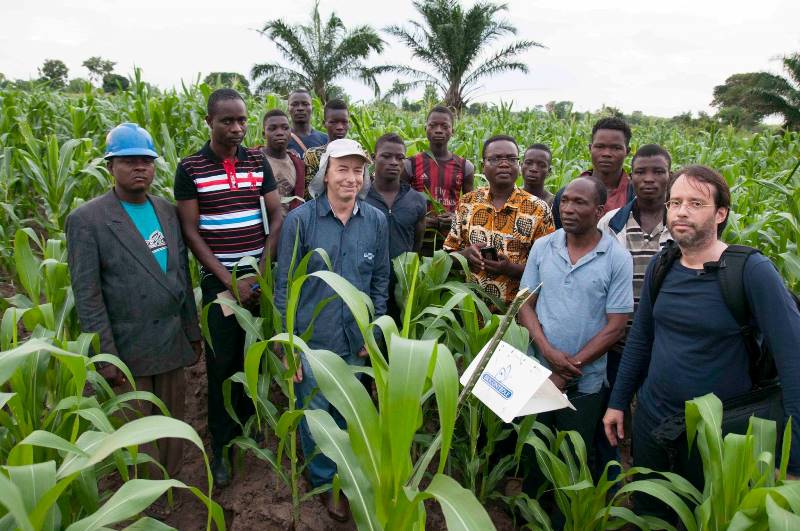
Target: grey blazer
x=145, y=316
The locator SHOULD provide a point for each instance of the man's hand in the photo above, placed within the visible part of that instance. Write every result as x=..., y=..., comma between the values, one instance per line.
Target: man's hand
x=113, y=375
x=473, y=255
x=249, y=293
x=431, y=221
x=497, y=267
x=559, y=380
x=445, y=221
x=613, y=423
x=197, y=347
x=363, y=353
x=562, y=364
x=298, y=375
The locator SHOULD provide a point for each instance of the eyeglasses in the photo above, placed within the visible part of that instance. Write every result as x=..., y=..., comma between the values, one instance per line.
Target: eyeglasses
x=691, y=206
x=494, y=161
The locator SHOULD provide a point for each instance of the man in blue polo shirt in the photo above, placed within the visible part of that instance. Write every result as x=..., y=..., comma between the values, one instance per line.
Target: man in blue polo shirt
x=583, y=305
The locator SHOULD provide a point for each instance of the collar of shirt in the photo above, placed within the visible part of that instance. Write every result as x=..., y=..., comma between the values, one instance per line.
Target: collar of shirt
x=513, y=200
x=404, y=188
x=324, y=207
x=659, y=231
x=560, y=243
x=241, y=153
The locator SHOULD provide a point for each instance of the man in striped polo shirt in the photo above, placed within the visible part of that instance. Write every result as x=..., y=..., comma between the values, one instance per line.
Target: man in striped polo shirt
x=439, y=172
x=219, y=191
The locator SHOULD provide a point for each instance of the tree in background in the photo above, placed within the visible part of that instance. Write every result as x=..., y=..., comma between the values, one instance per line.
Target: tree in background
x=98, y=68
x=54, y=73
x=115, y=82
x=451, y=41
x=746, y=99
x=233, y=80
x=317, y=55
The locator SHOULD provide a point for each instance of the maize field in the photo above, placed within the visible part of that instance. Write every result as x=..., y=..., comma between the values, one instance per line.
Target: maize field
x=69, y=454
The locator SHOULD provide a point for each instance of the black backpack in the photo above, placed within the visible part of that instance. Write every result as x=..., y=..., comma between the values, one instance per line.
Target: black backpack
x=731, y=272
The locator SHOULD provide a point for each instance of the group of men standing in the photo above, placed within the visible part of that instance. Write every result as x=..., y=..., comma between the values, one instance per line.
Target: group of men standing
x=590, y=245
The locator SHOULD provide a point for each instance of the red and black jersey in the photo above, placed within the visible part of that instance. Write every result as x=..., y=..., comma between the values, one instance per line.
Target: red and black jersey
x=442, y=179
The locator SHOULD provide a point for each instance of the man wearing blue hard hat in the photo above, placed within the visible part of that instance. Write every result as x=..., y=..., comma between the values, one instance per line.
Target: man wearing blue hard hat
x=130, y=277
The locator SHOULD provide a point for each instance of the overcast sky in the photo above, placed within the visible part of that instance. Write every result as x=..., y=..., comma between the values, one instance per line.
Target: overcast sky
x=662, y=58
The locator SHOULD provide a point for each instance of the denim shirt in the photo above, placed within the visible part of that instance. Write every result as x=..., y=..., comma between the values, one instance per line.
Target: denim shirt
x=359, y=252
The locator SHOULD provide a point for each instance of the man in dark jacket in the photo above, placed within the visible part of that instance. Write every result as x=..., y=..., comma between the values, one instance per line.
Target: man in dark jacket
x=130, y=277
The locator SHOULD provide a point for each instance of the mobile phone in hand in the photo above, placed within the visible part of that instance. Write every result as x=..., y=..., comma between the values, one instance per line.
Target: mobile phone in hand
x=489, y=253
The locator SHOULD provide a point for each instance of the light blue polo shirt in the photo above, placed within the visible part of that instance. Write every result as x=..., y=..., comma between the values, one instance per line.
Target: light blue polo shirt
x=574, y=299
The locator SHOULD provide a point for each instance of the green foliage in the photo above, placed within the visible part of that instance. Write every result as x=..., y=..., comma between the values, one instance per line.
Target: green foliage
x=57, y=444
x=319, y=53
x=745, y=99
x=454, y=41
x=233, y=80
x=98, y=67
x=54, y=73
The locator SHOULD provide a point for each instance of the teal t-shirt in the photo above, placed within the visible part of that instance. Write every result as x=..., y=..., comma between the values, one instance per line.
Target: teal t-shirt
x=144, y=217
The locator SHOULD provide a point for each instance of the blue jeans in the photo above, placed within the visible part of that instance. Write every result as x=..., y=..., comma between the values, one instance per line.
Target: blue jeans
x=320, y=469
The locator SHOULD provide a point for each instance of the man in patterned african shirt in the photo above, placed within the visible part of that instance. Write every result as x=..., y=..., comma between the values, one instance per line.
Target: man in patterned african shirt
x=500, y=216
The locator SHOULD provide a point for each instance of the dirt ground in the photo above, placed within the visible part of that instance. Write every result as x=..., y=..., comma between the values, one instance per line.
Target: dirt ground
x=256, y=498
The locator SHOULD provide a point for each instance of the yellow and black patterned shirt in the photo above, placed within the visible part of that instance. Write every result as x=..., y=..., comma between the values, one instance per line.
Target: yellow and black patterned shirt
x=511, y=230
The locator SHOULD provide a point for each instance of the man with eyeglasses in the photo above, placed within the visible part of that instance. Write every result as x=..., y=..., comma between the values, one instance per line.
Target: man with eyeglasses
x=687, y=343
x=495, y=226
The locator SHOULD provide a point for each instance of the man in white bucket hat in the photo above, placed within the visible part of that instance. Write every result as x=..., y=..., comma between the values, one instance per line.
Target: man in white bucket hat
x=355, y=235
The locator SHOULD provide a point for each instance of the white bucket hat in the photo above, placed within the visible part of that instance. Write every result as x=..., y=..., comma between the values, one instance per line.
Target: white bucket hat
x=343, y=147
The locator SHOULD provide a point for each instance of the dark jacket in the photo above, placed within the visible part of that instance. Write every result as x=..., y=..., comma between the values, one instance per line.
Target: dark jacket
x=144, y=316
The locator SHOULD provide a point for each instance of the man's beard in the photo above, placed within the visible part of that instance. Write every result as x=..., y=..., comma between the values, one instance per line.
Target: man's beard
x=699, y=238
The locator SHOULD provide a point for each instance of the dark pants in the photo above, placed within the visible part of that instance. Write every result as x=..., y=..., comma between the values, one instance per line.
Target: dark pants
x=589, y=410
x=170, y=387
x=223, y=360
x=673, y=456
x=604, y=452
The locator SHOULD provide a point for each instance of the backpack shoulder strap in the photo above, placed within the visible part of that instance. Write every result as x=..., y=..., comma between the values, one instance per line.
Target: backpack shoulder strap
x=731, y=281
x=663, y=262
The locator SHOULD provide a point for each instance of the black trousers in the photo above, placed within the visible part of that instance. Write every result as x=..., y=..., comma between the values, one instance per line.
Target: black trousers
x=223, y=360
x=672, y=456
x=589, y=412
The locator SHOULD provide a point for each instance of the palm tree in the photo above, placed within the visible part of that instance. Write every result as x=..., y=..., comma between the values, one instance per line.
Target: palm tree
x=751, y=96
x=318, y=55
x=451, y=40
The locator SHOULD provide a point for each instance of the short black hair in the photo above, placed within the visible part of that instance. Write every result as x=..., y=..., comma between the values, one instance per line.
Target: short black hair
x=219, y=95
x=273, y=113
x=440, y=109
x=600, y=190
x=389, y=138
x=299, y=91
x=652, y=150
x=335, y=105
x=540, y=147
x=497, y=138
x=614, y=123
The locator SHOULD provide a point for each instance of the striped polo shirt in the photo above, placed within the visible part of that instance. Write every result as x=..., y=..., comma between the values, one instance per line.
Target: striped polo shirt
x=227, y=193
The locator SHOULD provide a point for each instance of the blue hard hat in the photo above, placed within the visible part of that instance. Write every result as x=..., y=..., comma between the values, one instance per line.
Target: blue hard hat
x=129, y=140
